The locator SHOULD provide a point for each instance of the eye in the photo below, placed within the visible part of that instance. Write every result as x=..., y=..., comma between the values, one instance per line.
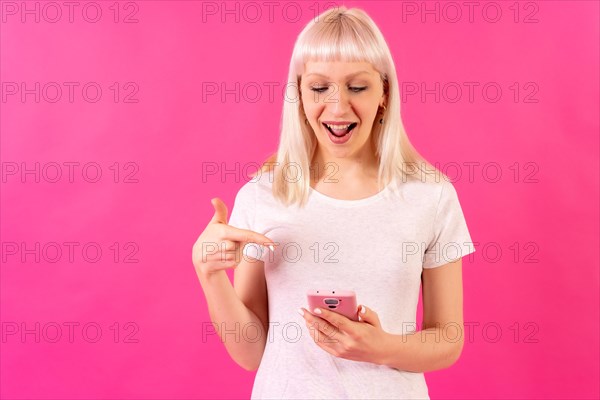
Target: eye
x=318, y=89
x=353, y=89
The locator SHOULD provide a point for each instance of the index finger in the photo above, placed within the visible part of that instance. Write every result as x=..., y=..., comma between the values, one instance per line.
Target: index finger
x=245, y=235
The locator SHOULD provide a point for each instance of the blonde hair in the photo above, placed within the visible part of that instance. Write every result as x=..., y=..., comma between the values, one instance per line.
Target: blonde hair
x=347, y=35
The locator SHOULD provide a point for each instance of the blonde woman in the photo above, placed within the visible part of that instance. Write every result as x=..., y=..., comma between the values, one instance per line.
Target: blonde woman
x=345, y=203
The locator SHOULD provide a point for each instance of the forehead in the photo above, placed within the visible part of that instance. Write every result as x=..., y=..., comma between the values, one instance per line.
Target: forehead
x=338, y=69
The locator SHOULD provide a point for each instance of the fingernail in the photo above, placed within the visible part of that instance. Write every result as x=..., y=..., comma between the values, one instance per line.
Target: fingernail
x=317, y=311
x=272, y=248
x=363, y=309
x=301, y=312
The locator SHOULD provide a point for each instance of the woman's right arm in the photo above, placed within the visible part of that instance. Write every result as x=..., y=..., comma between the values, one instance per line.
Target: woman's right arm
x=236, y=318
x=234, y=321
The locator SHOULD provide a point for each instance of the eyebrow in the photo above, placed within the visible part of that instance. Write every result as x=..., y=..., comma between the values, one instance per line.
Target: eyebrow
x=347, y=76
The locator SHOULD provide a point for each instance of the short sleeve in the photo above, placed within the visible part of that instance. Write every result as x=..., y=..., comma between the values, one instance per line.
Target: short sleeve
x=242, y=214
x=242, y=217
x=451, y=239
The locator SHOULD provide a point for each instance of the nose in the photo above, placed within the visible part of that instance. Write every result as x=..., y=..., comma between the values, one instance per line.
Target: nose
x=338, y=102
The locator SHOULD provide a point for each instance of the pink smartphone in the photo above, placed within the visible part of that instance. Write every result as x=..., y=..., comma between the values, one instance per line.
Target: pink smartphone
x=339, y=301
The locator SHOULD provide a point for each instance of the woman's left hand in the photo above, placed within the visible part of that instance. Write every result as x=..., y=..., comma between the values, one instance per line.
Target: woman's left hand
x=359, y=341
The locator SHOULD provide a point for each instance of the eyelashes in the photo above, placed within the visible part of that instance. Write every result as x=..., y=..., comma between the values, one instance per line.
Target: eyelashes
x=353, y=89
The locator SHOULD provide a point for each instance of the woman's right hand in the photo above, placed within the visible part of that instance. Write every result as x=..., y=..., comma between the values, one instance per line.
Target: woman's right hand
x=220, y=246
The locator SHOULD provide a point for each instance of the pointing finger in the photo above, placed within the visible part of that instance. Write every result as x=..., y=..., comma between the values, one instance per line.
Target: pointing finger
x=247, y=236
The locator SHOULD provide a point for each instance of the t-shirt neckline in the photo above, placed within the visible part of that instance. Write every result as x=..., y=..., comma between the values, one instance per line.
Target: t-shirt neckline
x=349, y=203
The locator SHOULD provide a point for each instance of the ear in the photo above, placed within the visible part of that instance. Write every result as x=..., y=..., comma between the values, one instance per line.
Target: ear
x=386, y=92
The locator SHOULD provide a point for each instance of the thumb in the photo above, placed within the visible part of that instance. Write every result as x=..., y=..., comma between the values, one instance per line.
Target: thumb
x=220, y=215
x=369, y=316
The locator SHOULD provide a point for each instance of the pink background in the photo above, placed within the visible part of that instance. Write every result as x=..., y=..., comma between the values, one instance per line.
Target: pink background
x=540, y=294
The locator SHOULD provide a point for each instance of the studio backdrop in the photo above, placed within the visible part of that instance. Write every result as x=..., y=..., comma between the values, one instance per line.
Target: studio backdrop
x=120, y=120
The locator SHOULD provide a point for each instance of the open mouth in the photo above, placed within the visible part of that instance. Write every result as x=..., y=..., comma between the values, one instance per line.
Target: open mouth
x=340, y=130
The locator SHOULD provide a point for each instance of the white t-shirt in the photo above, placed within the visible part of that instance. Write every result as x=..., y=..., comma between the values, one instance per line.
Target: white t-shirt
x=377, y=247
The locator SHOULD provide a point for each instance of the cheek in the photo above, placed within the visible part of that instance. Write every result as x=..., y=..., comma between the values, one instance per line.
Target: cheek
x=368, y=115
x=311, y=108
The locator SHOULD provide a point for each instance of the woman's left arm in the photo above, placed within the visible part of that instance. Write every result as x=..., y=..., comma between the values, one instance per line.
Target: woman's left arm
x=439, y=344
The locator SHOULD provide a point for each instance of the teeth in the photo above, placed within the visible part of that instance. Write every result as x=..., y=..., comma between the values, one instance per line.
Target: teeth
x=338, y=127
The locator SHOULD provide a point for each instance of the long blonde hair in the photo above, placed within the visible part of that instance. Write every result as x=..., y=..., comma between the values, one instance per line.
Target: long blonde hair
x=347, y=35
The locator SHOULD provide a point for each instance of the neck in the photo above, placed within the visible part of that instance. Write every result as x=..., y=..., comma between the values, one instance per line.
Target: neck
x=358, y=168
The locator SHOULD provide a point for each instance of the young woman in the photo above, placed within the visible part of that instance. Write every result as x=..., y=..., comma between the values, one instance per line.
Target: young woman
x=346, y=203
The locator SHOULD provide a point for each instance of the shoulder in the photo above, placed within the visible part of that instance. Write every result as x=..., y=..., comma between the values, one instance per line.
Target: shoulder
x=258, y=185
x=267, y=167
x=427, y=189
